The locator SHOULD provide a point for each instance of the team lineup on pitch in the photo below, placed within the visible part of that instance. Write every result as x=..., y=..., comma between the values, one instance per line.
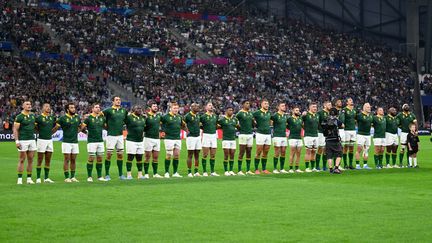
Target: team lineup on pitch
x=146, y=129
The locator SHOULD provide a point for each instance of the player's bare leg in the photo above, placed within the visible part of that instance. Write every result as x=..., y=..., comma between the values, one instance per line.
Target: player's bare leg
x=66, y=167
x=190, y=154
x=266, y=149
x=130, y=158
x=176, y=155
x=120, y=162
x=168, y=156
x=20, y=167
x=242, y=151
x=320, y=154
x=40, y=158
x=108, y=164
x=276, y=156
x=90, y=161
x=139, y=165
x=205, y=153
x=281, y=156
x=297, y=159
x=293, y=151
x=196, y=164
x=307, y=159
x=259, y=151
x=73, y=167
x=212, y=160
x=225, y=162
x=155, y=155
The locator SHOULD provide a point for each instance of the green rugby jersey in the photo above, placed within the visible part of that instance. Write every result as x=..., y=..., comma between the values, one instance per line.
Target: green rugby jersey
x=262, y=119
x=341, y=117
x=135, y=127
x=311, y=124
x=379, y=124
x=295, y=124
x=115, y=120
x=405, y=119
x=364, y=122
x=279, y=124
x=350, y=116
x=171, y=125
x=192, y=121
x=95, y=125
x=152, y=125
x=45, y=123
x=229, y=127
x=208, y=123
x=392, y=124
x=322, y=116
x=245, y=119
x=69, y=125
x=27, y=126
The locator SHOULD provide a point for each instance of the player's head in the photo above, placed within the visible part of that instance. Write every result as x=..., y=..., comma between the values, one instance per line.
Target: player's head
x=392, y=110
x=405, y=107
x=264, y=104
x=282, y=107
x=96, y=108
x=367, y=107
x=296, y=111
x=116, y=101
x=313, y=107
x=350, y=102
x=70, y=108
x=209, y=107
x=333, y=112
x=338, y=103
x=229, y=111
x=380, y=111
x=174, y=108
x=246, y=105
x=412, y=127
x=137, y=110
x=327, y=105
x=46, y=108
x=195, y=108
x=27, y=106
x=153, y=106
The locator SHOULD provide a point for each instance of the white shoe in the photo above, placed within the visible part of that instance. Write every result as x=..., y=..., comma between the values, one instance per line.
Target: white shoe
x=358, y=167
x=167, y=175
x=146, y=176
x=158, y=176
x=283, y=171
x=227, y=173
x=232, y=173
x=308, y=170
x=276, y=172
x=341, y=168
x=30, y=181
x=388, y=166
x=101, y=179
x=214, y=174
x=250, y=172
x=67, y=180
x=190, y=175
x=19, y=181
x=314, y=170
x=38, y=181
x=205, y=174
x=89, y=179
x=177, y=175
x=396, y=166
x=299, y=171
x=197, y=174
x=73, y=179
x=48, y=180
x=240, y=173
x=291, y=171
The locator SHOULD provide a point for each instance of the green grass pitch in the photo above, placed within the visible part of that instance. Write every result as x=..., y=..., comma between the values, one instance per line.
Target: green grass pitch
x=387, y=205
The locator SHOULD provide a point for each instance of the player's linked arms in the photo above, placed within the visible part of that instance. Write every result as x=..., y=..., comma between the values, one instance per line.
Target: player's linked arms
x=55, y=128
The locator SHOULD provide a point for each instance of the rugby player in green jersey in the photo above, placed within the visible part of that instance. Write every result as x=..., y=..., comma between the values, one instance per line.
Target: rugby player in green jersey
x=295, y=125
x=209, y=139
x=322, y=115
x=310, y=124
x=379, y=124
x=406, y=117
x=350, y=136
x=364, y=123
x=193, y=139
x=280, y=141
x=94, y=125
x=152, y=140
x=135, y=123
x=392, y=140
x=245, y=118
x=229, y=125
x=262, y=136
x=71, y=124
x=23, y=131
x=45, y=122
x=115, y=119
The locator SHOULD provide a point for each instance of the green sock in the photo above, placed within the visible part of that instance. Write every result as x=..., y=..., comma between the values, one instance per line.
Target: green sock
x=155, y=167
x=128, y=166
x=231, y=165
x=318, y=160
x=344, y=157
x=264, y=164
x=46, y=172
x=66, y=174
x=120, y=166
x=381, y=156
x=196, y=170
x=167, y=165
x=296, y=167
x=19, y=175
x=239, y=163
x=225, y=165
x=376, y=160
x=394, y=158
x=324, y=160
x=257, y=160
x=139, y=166
x=248, y=164
x=275, y=162
x=99, y=169
x=175, y=165
x=387, y=157
x=291, y=167
x=282, y=163
x=189, y=170
x=38, y=172
x=204, y=164
x=351, y=158
x=401, y=156
x=29, y=175
x=212, y=165
x=89, y=168
x=365, y=162
x=357, y=162
x=307, y=164
x=107, y=166
x=312, y=163
x=72, y=175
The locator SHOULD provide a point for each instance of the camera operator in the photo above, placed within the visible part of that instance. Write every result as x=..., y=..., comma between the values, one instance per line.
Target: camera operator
x=333, y=146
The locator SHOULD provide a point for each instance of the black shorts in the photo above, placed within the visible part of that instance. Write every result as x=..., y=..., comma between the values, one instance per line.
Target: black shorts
x=333, y=149
x=414, y=151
